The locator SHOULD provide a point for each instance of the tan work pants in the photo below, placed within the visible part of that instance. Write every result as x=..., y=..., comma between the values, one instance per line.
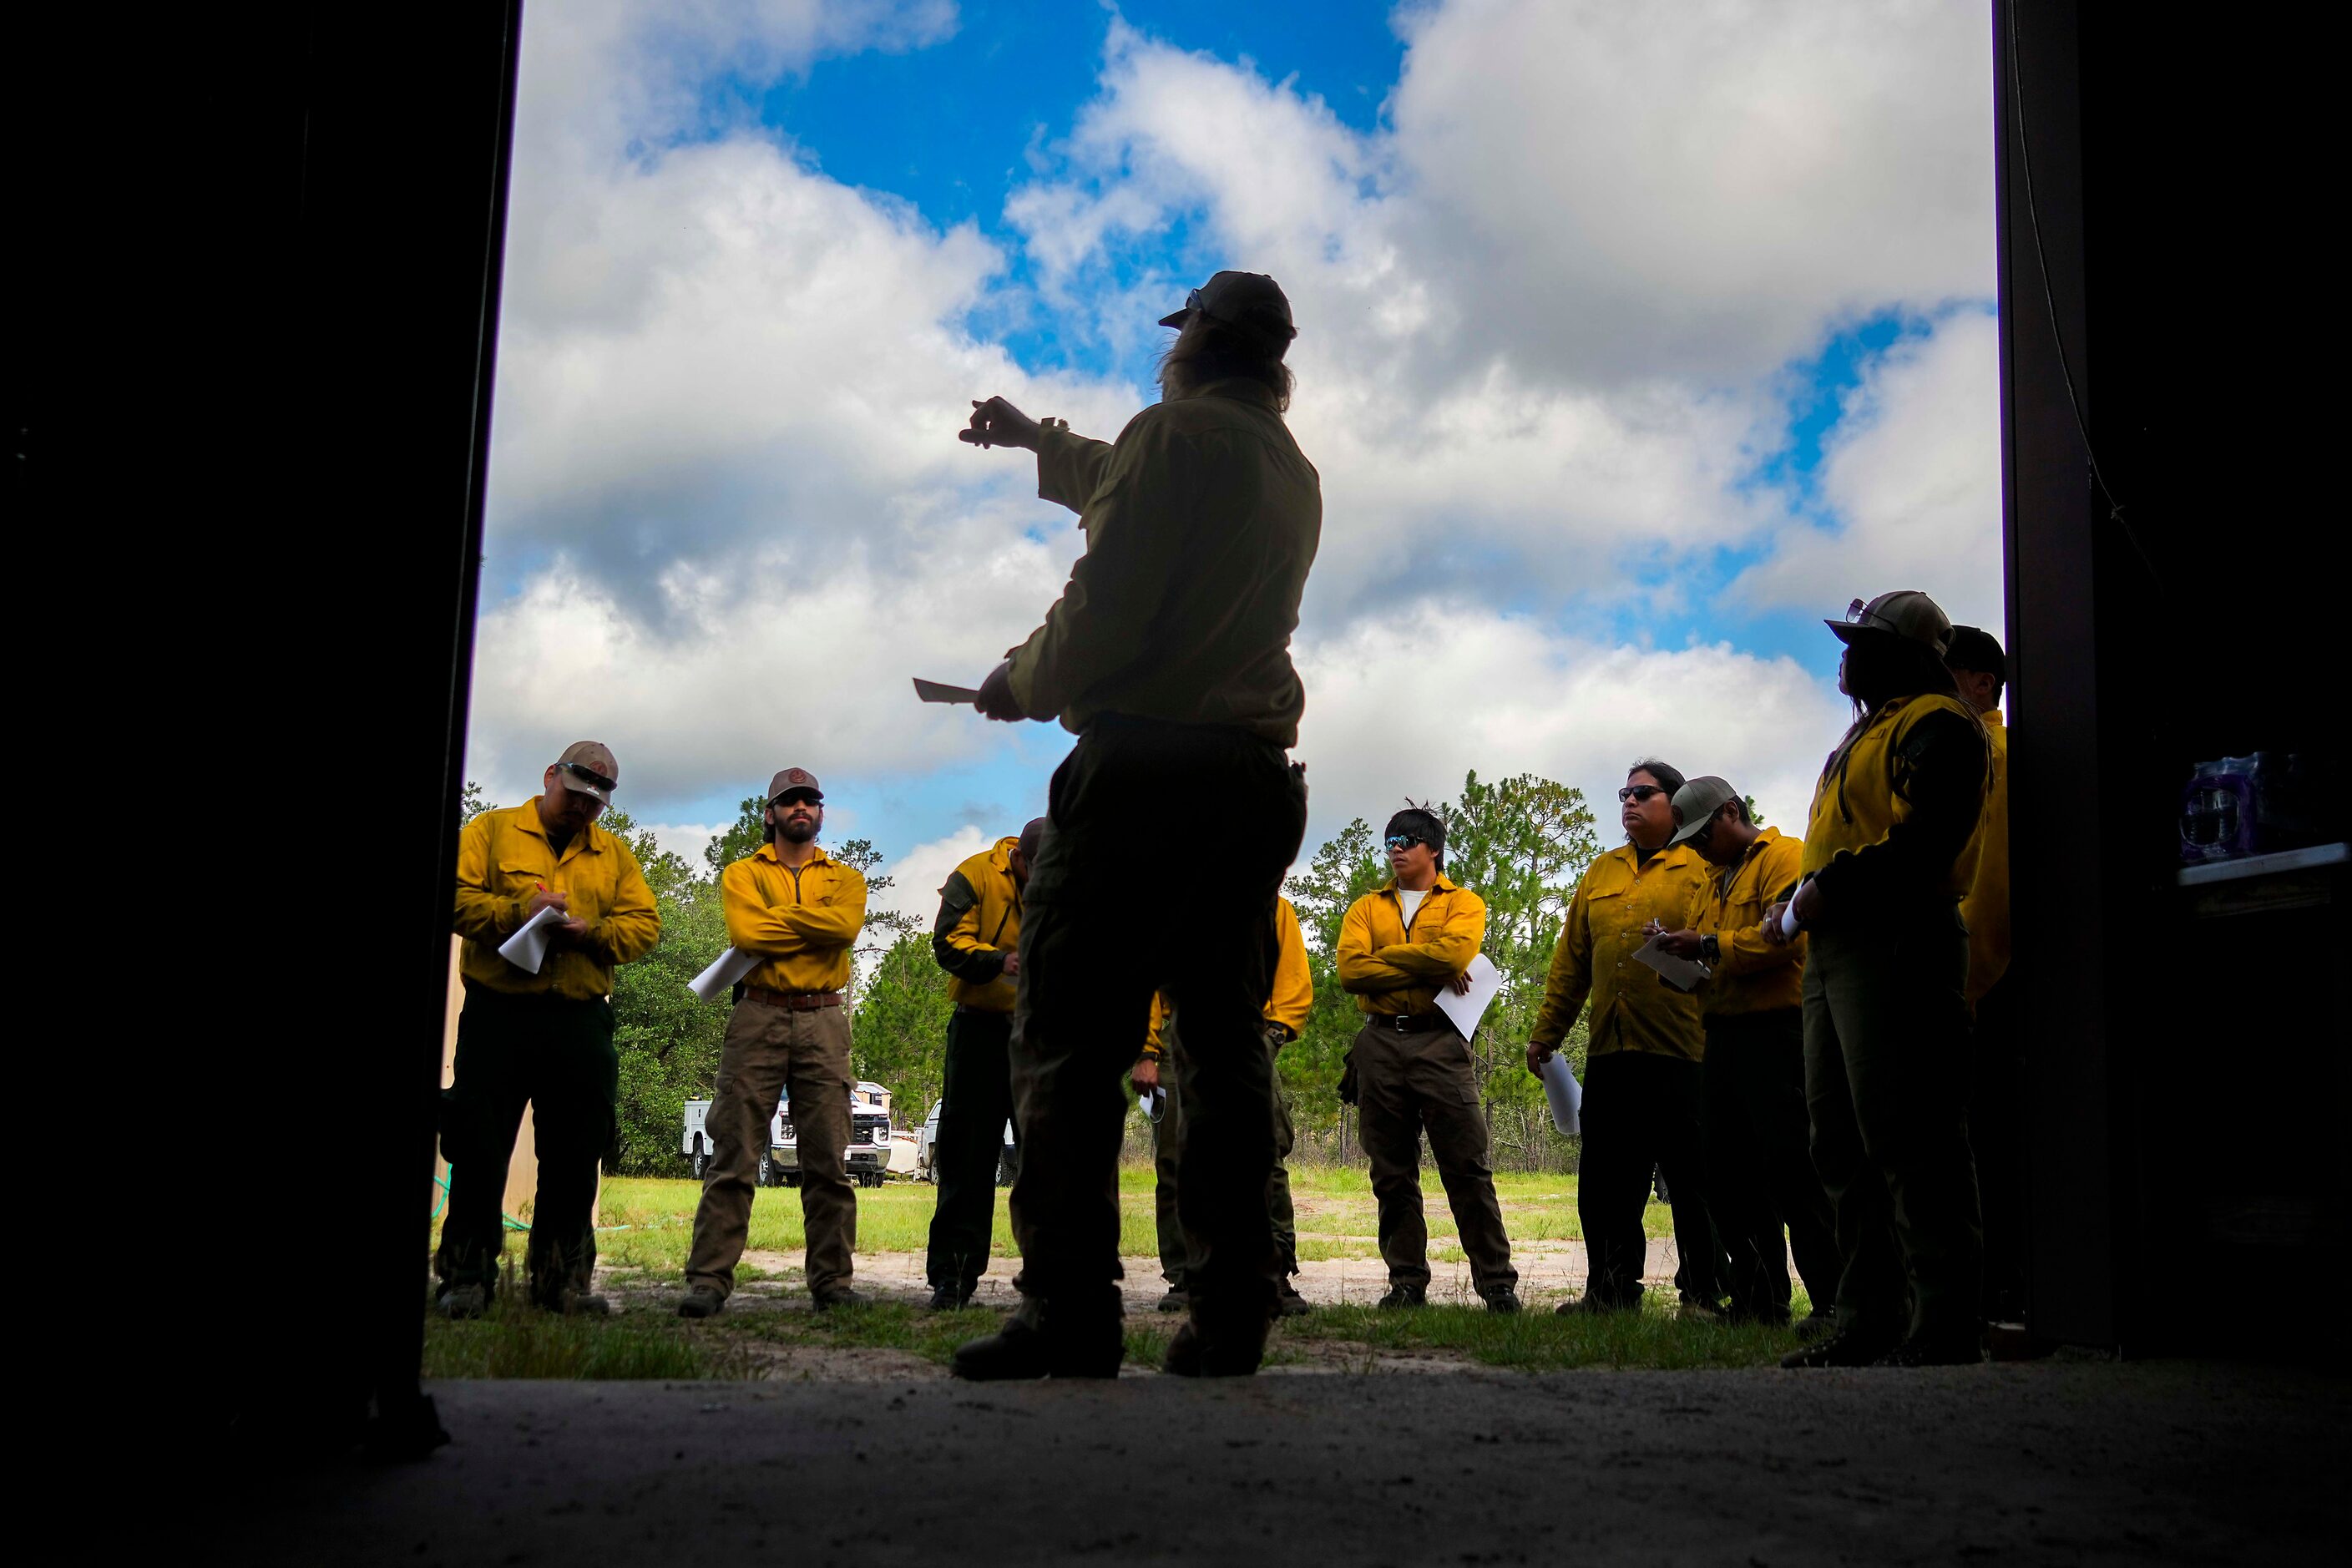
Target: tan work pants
x=1407, y=1084
x=767, y=1050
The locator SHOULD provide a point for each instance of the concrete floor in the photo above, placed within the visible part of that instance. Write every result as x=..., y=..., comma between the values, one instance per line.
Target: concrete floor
x=2060, y=1461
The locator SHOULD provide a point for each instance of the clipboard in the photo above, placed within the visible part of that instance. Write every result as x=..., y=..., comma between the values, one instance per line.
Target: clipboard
x=933, y=692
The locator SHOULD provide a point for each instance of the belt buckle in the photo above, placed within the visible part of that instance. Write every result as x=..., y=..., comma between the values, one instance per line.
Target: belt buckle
x=1404, y=1024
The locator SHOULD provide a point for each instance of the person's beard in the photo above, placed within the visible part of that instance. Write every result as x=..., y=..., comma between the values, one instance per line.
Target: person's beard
x=799, y=829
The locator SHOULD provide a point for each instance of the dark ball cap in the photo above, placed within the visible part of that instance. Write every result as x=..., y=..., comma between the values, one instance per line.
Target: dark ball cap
x=1973, y=648
x=1421, y=825
x=1250, y=301
x=1031, y=837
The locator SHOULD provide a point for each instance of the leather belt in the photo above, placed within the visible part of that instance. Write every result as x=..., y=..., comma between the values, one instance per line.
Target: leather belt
x=792, y=1001
x=1416, y=1023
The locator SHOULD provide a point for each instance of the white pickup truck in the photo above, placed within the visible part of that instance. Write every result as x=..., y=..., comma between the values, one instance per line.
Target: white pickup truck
x=868, y=1155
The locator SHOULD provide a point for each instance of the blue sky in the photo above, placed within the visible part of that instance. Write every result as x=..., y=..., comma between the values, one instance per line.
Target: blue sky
x=1629, y=349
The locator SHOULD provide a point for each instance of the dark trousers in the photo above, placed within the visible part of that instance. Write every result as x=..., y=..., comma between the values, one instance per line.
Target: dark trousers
x=556, y=1055
x=1407, y=1084
x=1107, y=920
x=1168, y=1159
x=1759, y=1171
x=1641, y=1110
x=1886, y=1080
x=973, y=1112
x=1997, y=1138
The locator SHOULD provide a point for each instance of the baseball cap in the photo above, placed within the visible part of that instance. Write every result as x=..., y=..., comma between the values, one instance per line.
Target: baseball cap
x=1250, y=301
x=1973, y=648
x=1031, y=836
x=588, y=767
x=795, y=781
x=1421, y=825
x=1907, y=612
x=1696, y=805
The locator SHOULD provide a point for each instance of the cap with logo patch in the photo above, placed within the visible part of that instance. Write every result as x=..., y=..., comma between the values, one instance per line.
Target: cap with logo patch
x=587, y=766
x=1907, y=612
x=1696, y=805
x=795, y=781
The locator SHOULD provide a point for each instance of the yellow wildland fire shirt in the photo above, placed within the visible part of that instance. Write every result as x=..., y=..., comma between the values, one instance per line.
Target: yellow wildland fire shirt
x=1753, y=974
x=1201, y=522
x=1633, y=1008
x=1895, y=818
x=1294, y=983
x=504, y=857
x=979, y=922
x=1986, y=907
x=1391, y=969
x=802, y=923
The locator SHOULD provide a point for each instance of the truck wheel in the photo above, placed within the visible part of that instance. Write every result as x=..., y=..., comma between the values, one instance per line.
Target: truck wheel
x=767, y=1177
x=700, y=1162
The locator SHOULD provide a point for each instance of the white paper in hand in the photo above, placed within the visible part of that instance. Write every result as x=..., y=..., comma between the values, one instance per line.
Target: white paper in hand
x=724, y=971
x=1789, y=927
x=1154, y=1103
x=1563, y=1093
x=1679, y=972
x=1467, y=1009
x=527, y=949
x=939, y=692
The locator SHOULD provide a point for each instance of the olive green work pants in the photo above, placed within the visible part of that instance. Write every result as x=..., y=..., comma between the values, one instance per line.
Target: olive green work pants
x=1406, y=1085
x=1168, y=1153
x=1887, y=1086
x=767, y=1050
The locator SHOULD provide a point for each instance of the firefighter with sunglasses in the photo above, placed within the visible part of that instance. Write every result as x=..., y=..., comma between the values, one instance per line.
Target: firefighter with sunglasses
x=1891, y=848
x=1411, y=1070
x=1641, y=1075
x=541, y=1037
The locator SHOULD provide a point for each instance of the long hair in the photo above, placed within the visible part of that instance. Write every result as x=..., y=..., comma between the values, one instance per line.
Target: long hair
x=1208, y=351
x=1879, y=670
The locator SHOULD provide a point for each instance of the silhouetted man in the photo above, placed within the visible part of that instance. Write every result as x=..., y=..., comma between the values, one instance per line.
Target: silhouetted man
x=1169, y=655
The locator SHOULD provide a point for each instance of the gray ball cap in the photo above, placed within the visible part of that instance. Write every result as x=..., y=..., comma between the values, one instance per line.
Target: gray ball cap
x=1696, y=805
x=1907, y=612
x=586, y=768
x=1250, y=301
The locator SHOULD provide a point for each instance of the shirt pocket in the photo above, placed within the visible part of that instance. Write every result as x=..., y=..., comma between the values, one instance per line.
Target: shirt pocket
x=516, y=879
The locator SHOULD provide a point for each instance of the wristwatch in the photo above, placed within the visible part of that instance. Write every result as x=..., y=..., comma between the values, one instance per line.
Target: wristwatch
x=1710, y=950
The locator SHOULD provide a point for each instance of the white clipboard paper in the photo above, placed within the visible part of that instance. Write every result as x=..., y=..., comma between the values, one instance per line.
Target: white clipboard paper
x=933, y=692
x=527, y=949
x=724, y=971
x=1679, y=972
x=1563, y=1093
x=1467, y=1009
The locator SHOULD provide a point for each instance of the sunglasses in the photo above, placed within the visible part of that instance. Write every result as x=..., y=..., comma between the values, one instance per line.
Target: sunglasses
x=794, y=797
x=590, y=776
x=1405, y=841
x=1639, y=791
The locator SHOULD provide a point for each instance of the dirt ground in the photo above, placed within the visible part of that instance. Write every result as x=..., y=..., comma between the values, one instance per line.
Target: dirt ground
x=2064, y=1461
x=1549, y=1271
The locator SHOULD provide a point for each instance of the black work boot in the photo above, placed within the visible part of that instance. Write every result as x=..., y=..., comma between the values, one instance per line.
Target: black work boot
x=947, y=1298
x=1289, y=1303
x=1503, y=1300
x=1035, y=1342
x=1174, y=1301
x=702, y=1301
x=1221, y=1339
x=840, y=1296
x=1843, y=1348
x=459, y=1302
x=1399, y=1296
x=1964, y=1347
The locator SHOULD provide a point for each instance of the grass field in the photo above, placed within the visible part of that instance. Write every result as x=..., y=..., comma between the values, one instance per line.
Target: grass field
x=649, y=1222
x=648, y=1225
